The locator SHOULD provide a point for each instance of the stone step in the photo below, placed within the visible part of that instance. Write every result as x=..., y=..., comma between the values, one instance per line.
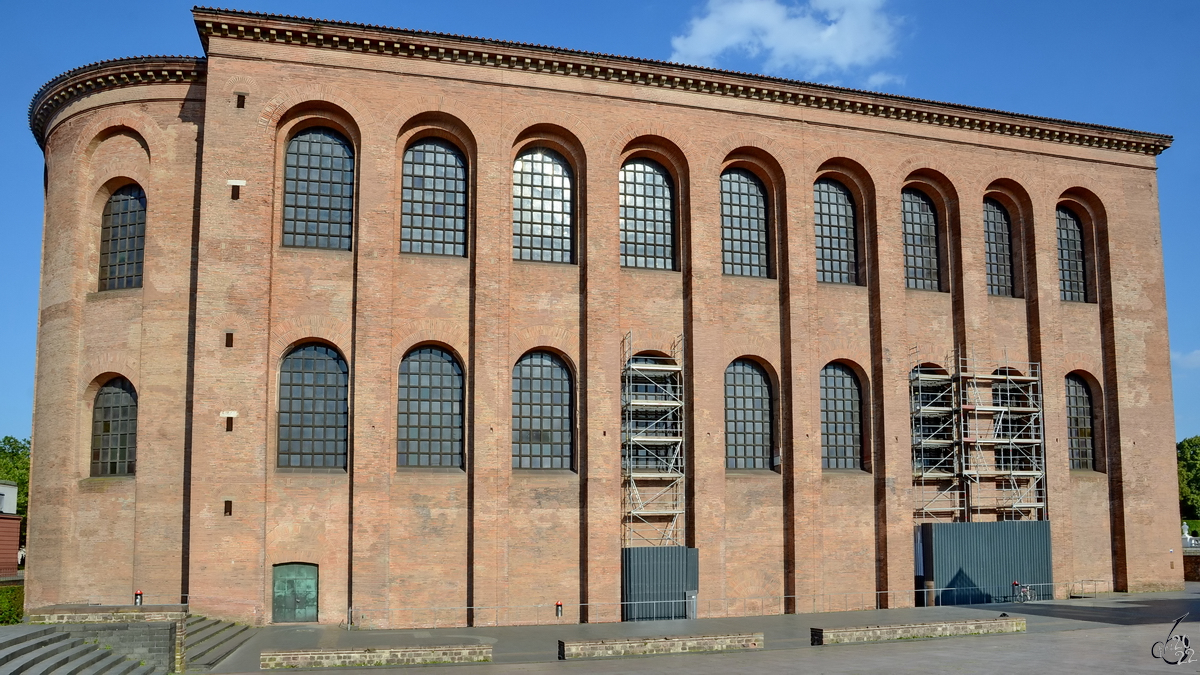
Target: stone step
x=77, y=665
x=17, y=634
x=212, y=654
x=20, y=649
x=48, y=650
x=111, y=664
x=62, y=659
x=203, y=632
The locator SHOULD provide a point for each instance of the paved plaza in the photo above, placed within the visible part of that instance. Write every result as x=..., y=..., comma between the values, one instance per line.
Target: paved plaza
x=1106, y=634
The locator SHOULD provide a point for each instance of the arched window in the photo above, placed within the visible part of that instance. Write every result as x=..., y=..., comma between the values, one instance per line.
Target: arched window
x=542, y=402
x=836, y=233
x=123, y=239
x=313, y=408
x=318, y=190
x=841, y=418
x=1080, y=423
x=543, y=207
x=1072, y=265
x=921, y=246
x=433, y=199
x=748, y=417
x=997, y=232
x=114, y=429
x=744, y=245
x=429, y=409
x=647, y=216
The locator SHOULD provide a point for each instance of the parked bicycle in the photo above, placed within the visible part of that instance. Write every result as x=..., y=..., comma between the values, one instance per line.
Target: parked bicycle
x=1021, y=593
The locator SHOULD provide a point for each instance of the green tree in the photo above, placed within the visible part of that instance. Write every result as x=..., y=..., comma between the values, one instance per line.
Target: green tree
x=1187, y=453
x=14, y=466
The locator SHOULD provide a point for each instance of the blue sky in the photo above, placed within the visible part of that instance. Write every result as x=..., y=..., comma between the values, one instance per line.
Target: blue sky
x=1101, y=61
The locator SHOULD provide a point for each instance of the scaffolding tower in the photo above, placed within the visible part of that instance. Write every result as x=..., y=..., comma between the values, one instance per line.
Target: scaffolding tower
x=652, y=457
x=977, y=441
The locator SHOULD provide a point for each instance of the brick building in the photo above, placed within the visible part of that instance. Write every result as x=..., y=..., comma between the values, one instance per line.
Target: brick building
x=345, y=316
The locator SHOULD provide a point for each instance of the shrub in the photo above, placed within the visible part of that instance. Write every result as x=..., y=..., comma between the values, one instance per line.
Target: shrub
x=12, y=604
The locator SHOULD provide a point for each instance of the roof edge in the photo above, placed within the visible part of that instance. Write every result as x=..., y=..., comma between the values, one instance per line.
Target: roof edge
x=108, y=74
x=365, y=37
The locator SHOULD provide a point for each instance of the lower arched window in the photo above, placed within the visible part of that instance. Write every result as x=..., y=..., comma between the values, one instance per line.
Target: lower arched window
x=748, y=416
x=314, y=408
x=429, y=409
x=841, y=418
x=1080, y=439
x=542, y=402
x=114, y=429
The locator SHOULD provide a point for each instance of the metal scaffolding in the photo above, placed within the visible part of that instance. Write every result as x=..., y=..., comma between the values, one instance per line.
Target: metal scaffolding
x=978, y=449
x=652, y=457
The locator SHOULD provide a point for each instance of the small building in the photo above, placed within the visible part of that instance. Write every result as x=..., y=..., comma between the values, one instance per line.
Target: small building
x=10, y=529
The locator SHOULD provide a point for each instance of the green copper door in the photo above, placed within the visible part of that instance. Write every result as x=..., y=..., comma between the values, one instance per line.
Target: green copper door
x=295, y=593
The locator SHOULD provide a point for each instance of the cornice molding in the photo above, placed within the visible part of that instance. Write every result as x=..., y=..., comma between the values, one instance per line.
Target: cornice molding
x=472, y=51
x=104, y=75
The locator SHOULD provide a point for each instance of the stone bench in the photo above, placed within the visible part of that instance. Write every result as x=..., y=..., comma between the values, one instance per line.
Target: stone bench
x=833, y=636
x=592, y=649
x=368, y=656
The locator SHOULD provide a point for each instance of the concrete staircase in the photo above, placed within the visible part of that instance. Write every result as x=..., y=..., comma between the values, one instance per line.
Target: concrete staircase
x=41, y=650
x=210, y=640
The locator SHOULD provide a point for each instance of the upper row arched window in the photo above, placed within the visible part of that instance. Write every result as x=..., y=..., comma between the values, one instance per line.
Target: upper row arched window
x=318, y=190
x=123, y=239
x=1072, y=263
x=836, y=233
x=647, y=216
x=543, y=208
x=998, y=242
x=744, y=242
x=922, y=250
x=433, y=199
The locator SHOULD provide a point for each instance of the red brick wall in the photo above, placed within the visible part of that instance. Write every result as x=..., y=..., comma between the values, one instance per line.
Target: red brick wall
x=396, y=542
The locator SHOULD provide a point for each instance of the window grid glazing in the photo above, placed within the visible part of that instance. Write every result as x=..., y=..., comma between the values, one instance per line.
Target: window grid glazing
x=921, y=251
x=114, y=429
x=429, y=410
x=997, y=232
x=313, y=408
x=542, y=402
x=1072, y=270
x=318, y=190
x=543, y=224
x=647, y=216
x=433, y=201
x=744, y=241
x=836, y=233
x=748, y=424
x=123, y=239
x=1079, y=423
x=841, y=418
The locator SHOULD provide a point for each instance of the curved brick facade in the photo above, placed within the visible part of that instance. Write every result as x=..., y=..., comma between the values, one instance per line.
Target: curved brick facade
x=388, y=538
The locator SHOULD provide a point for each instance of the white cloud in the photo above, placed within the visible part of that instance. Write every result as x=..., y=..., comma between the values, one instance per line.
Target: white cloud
x=881, y=79
x=811, y=38
x=1189, y=360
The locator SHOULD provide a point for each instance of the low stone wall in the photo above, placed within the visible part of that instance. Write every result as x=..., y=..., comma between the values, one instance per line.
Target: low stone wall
x=593, y=649
x=399, y=656
x=118, y=614
x=832, y=636
x=152, y=642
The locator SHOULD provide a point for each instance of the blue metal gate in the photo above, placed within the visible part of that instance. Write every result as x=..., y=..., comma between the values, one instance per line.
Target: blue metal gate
x=973, y=563
x=659, y=582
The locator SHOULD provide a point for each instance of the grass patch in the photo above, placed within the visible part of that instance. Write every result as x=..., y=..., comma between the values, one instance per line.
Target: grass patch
x=12, y=604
